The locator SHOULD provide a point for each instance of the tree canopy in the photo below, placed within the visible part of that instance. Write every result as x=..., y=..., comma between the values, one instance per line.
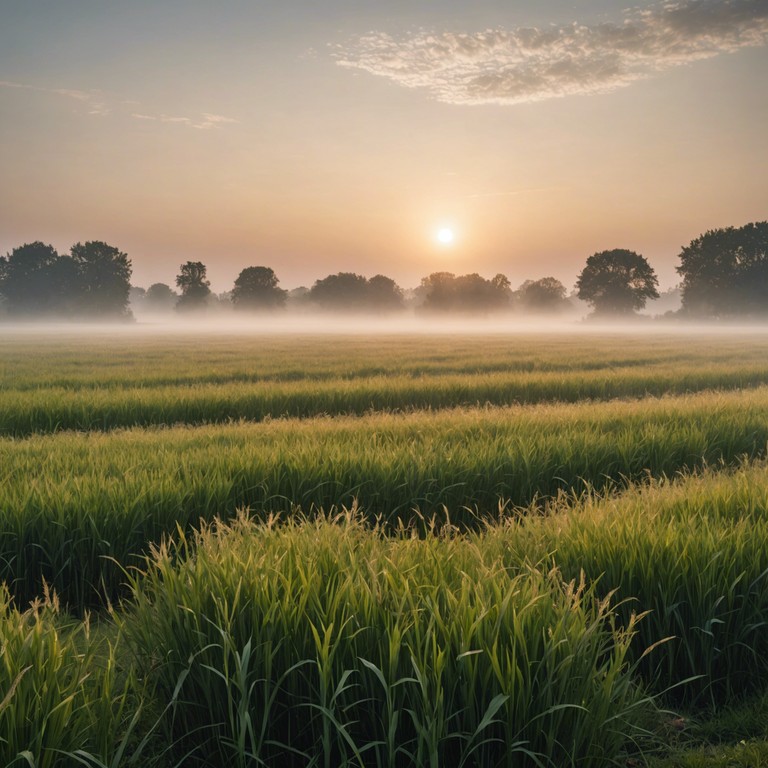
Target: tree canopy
x=256, y=289
x=195, y=287
x=94, y=281
x=725, y=272
x=617, y=282
x=445, y=292
x=546, y=295
x=104, y=278
x=160, y=297
x=347, y=291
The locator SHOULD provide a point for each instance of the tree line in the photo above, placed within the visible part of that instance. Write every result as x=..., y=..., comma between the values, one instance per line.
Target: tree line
x=724, y=274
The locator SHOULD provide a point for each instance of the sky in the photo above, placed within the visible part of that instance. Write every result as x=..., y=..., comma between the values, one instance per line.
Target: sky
x=345, y=135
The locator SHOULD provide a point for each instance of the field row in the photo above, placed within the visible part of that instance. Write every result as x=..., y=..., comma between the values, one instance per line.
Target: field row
x=312, y=642
x=56, y=409
x=141, y=381
x=70, y=500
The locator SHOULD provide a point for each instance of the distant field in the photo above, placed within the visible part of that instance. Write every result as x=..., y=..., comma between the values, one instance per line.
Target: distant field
x=84, y=383
x=489, y=476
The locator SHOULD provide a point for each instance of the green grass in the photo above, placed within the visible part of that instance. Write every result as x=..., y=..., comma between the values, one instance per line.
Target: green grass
x=140, y=381
x=71, y=503
x=324, y=643
x=518, y=502
x=60, y=686
x=692, y=554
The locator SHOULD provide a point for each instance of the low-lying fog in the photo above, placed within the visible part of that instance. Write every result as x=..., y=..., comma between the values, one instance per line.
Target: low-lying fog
x=360, y=324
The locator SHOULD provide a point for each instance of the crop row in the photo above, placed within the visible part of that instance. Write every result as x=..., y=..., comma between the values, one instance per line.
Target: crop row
x=70, y=500
x=56, y=409
x=325, y=642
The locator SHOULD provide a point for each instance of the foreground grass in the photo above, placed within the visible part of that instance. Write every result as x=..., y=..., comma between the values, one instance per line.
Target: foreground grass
x=319, y=643
x=327, y=642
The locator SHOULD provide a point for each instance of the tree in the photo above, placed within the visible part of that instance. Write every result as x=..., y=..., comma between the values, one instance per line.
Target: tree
x=438, y=290
x=195, y=288
x=444, y=292
x=256, y=289
x=342, y=291
x=544, y=295
x=617, y=282
x=160, y=297
x=36, y=280
x=725, y=272
x=384, y=294
x=103, y=279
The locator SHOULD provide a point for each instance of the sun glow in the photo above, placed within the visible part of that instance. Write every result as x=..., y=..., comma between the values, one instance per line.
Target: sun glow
x=445, y=235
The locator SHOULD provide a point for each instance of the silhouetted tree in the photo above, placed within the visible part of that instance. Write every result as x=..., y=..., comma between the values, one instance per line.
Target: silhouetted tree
x=501, y=283
x=36, y=280
x=545, y=295
x=342, y=291
x=347, y=291
x=195, y=288
x=256, y=289
x=103, y=279
x=384, y=294
x=445, y=292
x=160, y=297
x=725, y=272
x=437, y=290
x=617, y=282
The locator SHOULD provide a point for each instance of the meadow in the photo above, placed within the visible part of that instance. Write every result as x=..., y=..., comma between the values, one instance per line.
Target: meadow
x=410, y=549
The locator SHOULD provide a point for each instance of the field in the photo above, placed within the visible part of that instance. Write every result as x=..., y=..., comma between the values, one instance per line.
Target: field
x=344, y=550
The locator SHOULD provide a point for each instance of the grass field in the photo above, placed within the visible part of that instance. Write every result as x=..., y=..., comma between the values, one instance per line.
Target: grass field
x=403, y=550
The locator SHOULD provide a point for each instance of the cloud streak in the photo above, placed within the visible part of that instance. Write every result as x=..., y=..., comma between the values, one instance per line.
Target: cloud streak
x=528, y=64
x=96, y=104
x=207, y=122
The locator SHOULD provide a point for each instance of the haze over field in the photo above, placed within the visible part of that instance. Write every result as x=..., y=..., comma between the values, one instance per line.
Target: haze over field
x=397, y=138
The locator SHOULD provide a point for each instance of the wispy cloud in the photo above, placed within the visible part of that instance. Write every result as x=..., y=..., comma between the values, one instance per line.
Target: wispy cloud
x=95, y=103
x=526, y=64
x=93, y=100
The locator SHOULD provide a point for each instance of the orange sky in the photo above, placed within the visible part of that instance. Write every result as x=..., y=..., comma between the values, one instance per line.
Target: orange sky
x=341, y=139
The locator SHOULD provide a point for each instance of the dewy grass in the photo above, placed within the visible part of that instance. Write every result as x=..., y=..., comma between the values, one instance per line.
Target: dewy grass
x=694, y=554
x=60, y=686
x=324, y=643
x=72, y=504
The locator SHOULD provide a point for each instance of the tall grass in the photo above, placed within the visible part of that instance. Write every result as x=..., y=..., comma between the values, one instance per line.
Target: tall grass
x=70, y=504
x=326, y=644
x=60, y=687
x=694, y=554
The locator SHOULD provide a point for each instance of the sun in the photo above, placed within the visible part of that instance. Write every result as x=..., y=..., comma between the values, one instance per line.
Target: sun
x=445, y=235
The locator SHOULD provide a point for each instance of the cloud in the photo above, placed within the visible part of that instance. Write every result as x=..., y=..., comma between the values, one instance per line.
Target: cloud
x=96, y=104
x=527, y=64
x=209, y=120
x=218, y=118
x=92, y=99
